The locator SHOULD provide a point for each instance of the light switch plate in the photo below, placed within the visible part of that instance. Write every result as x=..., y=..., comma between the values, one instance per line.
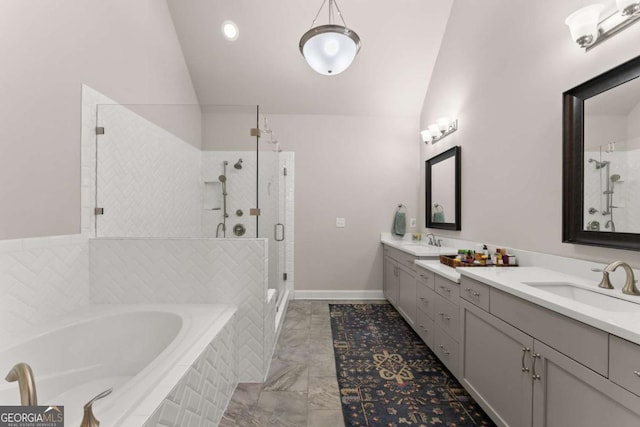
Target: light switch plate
x=341, y=222
x=412, y=222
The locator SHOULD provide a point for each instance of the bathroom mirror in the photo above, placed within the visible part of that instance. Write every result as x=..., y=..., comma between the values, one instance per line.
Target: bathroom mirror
x=443, y=190
x=601, y=158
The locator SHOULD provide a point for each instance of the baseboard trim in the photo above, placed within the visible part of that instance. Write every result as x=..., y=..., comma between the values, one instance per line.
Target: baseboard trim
x=339, y=295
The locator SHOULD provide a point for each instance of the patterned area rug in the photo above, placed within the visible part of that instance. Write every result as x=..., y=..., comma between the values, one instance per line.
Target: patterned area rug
x=389, y=377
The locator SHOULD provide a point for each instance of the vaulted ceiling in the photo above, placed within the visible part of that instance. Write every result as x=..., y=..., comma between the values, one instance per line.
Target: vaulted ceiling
x=400, y=43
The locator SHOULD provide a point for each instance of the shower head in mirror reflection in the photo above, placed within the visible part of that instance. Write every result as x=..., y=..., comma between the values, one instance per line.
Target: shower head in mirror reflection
x=238, y=164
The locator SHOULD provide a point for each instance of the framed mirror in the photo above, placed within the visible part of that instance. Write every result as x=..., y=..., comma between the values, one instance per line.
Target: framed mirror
x=601, y=159
x=443, y=190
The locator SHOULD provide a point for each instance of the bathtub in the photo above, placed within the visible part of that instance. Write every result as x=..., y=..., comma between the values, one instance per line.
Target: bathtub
x=141, y=351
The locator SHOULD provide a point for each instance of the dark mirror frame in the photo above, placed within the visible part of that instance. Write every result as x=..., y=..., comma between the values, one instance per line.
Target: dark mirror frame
x=456, y=225
x=573, y=160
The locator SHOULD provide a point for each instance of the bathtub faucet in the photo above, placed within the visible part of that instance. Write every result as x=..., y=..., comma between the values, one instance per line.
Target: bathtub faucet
x=89, y=420
x=26, y=382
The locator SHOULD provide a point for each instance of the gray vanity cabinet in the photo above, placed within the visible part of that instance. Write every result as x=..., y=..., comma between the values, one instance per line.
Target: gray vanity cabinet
x=407, y=294
x=508, y=365
x=495, y=366
x=390, y=280
x=569, y=394
x=399, y=282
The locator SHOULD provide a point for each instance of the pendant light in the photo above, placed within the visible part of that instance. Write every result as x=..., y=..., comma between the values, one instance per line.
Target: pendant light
x=329, y=49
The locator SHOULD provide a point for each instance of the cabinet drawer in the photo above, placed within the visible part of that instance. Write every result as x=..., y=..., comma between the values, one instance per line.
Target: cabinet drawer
x=475, y=292
x=425, y=327
x=403, y=258
x=624, y=364
x=426, y=300
x=448, y=289
x=426, y=277
x=447, y=350
x=447, y=317
x=581, y=342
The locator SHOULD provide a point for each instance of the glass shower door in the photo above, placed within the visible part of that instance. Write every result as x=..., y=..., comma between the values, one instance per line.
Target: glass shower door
x=271, y=224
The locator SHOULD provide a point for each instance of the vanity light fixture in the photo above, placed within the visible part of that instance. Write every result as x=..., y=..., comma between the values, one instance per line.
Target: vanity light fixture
x=436, y=131
x=329, y=49
x=588, y=29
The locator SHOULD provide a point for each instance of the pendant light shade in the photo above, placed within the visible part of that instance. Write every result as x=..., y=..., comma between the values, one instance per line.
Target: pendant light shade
x=329, y=49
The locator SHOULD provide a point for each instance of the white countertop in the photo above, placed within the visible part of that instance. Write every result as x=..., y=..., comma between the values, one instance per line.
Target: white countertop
x=418, y=248
x=623, y=324
x=439, y=268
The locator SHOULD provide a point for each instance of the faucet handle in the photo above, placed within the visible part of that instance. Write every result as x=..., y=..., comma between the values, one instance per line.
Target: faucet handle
x=605, y=282
x=89, y=420
x=597, y=270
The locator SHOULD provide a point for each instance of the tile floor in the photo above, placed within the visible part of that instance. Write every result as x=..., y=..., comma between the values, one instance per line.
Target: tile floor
x=301, y=388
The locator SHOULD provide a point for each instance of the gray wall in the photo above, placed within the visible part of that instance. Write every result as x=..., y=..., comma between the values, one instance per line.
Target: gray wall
x=127, y=50
x=501, y=71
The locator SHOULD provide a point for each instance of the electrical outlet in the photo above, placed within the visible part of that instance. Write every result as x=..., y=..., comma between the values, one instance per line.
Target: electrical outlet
x=341, y=222
x=412, y=223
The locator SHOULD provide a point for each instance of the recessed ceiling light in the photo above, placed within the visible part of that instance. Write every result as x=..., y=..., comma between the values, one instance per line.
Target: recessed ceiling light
x=230, y=30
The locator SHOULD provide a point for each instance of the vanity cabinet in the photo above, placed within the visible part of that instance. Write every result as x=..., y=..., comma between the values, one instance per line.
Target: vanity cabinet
x=529, y=366
x=399, y=283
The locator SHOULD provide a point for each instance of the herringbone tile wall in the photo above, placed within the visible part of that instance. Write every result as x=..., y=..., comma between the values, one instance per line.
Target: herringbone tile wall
x=41, y=278
x=201, y=396
x=180, y=271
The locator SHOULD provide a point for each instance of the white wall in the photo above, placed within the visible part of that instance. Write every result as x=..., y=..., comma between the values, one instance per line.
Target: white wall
x=126, y=50
x=502, y=69
x=356, y=167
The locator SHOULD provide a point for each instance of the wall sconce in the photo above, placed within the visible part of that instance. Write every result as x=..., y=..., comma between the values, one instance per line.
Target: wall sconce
x=588, y=30
x=439, y=130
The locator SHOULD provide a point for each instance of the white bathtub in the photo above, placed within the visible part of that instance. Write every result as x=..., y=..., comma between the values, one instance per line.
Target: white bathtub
x=141, y=351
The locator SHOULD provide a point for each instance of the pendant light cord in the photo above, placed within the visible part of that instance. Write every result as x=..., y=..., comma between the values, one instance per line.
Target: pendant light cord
x=331, y=4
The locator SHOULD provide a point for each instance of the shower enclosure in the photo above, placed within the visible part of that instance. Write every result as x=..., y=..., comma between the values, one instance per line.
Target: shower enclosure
x=192, y=171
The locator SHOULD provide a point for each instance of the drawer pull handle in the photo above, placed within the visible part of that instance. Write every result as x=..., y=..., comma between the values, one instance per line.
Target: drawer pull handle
x=424, y=301
x=443, y=349
x=444, y=316
x=534, y=374
x=425, y=277
x=444, y=288
x=524, y=352
x=637, y=373
x=423, y=328
x=472, y=292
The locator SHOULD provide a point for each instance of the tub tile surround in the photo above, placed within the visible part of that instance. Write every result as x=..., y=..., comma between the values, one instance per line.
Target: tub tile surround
x=202, y=393
x=41, y=278
x=179, y=271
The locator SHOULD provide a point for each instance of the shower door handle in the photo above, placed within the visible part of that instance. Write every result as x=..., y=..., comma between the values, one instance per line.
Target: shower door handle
x=275, y=232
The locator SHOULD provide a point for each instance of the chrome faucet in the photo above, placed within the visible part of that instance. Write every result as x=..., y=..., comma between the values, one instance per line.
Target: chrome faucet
x=432, y=239
x=629, y=284
x=224, y=229
x=26, y=383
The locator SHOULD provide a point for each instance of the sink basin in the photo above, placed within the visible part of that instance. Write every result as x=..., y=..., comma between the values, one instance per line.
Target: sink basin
x=586, y=296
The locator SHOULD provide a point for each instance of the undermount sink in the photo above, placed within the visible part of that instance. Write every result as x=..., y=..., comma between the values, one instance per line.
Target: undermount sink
x=586, y=296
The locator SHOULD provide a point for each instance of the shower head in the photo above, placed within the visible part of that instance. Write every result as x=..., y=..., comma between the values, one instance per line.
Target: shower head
x=615, y=177
x=599, y=165
x=238, y=164
x=222, y=178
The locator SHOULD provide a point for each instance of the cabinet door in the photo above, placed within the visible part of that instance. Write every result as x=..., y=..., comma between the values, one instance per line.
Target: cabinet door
x=568, y=394
x=390, y=282
x=407, y=288
x=494, y=366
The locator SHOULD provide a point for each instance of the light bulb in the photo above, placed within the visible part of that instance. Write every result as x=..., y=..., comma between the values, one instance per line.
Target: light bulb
x=230, y=30
x=426, y=135
x=443, y=124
